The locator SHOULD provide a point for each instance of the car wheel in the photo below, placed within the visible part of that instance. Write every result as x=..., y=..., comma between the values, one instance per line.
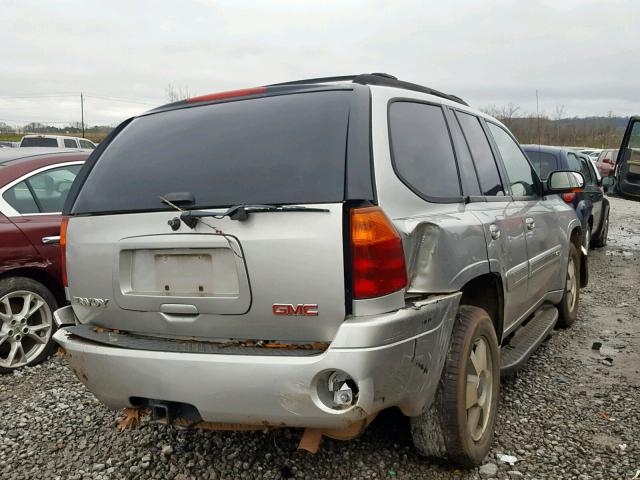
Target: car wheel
x=569, y=303
x=587, y=235
x=601, y=239
x=26, y=323
x=460, y=423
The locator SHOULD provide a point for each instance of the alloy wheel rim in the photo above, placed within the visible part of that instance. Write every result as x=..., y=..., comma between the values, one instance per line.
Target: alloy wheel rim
x=572, y=284
x=25, y=328
x=479, y=389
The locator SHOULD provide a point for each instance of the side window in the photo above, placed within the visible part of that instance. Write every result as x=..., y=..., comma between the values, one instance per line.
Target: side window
x=70, y=143
x=543, y=162
x=421, y=149
x=20, y=198
x=470, y=184
x=584, y=169
x=573, y=163
x=488, y=175
x=86, y=144
x=52, y=186
x=521, y=174
x=43, y=192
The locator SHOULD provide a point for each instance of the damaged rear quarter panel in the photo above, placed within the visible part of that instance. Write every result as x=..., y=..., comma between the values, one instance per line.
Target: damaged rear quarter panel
x=444, y=243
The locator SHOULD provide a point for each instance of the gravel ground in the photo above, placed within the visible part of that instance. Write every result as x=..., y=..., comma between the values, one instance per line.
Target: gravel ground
x=572, y=413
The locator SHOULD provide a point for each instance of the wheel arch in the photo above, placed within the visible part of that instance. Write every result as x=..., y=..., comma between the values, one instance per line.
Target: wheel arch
x=55, y=287
x=487, y=292
x=576, y=239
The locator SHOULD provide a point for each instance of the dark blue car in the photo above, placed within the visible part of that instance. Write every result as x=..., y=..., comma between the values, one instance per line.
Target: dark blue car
x=592, y=207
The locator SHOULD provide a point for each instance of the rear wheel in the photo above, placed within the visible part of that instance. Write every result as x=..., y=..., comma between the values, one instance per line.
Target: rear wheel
x=460, y=423
x=600, y=240
x=587, y=235
x=26, y=323
x=569, y=303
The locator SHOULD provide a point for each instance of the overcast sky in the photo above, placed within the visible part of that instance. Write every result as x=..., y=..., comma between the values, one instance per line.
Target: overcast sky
x=582, y=54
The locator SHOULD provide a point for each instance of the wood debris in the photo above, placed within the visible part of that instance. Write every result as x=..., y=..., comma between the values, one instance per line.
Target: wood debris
x=130, y=418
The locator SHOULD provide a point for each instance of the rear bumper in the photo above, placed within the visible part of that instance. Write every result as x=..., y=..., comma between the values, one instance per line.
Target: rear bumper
x=395, y=359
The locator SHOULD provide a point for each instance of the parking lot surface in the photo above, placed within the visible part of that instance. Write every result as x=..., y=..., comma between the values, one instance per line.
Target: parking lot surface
x=573, y=412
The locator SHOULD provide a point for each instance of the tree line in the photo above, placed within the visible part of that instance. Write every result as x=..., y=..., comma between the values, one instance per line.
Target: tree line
x=544, y=129
x=556, y=129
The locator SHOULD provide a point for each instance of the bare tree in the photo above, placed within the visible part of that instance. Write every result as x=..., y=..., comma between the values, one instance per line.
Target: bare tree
x=558, y=114
x=175, y=94
x=506, y=113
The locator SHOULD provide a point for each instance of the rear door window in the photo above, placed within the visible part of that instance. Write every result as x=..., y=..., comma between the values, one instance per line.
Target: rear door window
x=543, y=162
x=286, y=149
x=20, y=198
x=44, y=192
x=586, y=172
x=573, y=162
x=468, y=175
x=484, y=161
x=70, y=143
x=522, y=178
x=52, y=186
x=422, y=151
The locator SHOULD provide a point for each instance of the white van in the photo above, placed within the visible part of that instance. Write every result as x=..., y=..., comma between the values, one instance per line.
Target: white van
x=54, y=141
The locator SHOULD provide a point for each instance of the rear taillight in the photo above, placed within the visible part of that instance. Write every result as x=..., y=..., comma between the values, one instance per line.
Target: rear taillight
x=568, y=197
x=63, y=250
x=377, y=254
x=608, y=160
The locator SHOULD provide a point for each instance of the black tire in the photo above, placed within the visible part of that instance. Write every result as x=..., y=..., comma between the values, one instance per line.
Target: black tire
x=43, y=315
x=600, y=240
x=569, y=304
x=443, y=430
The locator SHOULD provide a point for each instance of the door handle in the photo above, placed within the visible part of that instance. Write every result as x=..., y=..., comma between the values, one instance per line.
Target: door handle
x=53, y=240
x=495, y=231
x=530, y=223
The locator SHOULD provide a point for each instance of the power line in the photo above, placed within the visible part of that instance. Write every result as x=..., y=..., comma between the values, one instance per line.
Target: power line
x=38, y=121
x=46, y=95
x=70, y=95
x=125, y=100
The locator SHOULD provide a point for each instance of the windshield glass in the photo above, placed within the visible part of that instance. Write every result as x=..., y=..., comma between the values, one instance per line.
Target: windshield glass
x=287, y=149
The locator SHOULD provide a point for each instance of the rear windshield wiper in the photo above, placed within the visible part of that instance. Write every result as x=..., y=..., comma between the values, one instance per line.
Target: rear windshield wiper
x=241, y=212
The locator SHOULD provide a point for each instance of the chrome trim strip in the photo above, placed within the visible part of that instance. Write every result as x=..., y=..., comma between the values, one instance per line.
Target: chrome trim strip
x=517, y=275
x=544, y=260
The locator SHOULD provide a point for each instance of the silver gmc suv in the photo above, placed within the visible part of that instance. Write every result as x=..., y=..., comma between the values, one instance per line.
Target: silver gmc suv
x=308, y=254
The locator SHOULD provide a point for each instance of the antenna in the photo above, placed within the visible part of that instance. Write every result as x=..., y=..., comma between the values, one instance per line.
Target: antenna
x=82, y=111
x=538, y=115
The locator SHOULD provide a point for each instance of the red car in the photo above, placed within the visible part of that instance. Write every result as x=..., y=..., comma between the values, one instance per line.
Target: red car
x=34, y=183
x=606, y=162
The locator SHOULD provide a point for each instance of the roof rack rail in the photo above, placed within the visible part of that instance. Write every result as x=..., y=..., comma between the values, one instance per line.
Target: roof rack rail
x=380, y=79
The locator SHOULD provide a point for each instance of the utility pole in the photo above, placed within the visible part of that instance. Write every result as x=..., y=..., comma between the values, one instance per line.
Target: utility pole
x=82, y=112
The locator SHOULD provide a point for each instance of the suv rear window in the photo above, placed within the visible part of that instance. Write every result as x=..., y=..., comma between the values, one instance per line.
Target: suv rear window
x=39, y=142
x=287, y=149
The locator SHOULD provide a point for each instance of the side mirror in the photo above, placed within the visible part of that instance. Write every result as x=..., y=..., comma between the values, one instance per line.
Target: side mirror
x=564, y=181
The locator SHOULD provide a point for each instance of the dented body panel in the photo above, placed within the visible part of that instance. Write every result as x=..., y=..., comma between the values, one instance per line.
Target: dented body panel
x=396, y=360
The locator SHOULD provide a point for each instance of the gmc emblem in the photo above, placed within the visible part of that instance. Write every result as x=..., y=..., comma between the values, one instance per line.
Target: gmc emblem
x=300, y=310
